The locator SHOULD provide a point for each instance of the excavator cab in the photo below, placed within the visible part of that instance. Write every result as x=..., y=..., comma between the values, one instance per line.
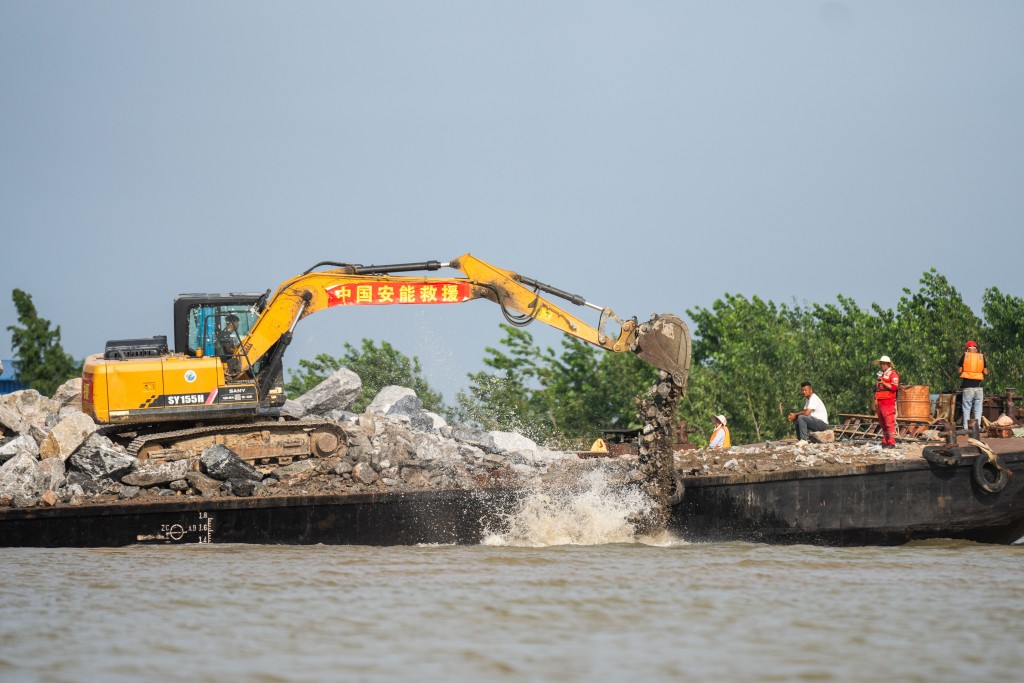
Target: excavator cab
x=200, y=321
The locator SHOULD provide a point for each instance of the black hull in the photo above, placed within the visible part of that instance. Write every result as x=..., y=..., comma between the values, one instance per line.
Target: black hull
x=883, y=504
x=448, y=517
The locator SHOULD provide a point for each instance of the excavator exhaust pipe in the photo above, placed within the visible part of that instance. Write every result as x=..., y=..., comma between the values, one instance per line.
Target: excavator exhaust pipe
x=664, y=342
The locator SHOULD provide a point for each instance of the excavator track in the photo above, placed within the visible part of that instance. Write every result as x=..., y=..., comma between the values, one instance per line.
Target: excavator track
x=264, y=445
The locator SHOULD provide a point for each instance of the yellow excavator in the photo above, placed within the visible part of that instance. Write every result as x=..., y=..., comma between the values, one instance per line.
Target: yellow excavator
x=224, y=379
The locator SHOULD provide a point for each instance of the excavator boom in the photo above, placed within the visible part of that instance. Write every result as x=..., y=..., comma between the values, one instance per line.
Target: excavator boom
x=663, y=341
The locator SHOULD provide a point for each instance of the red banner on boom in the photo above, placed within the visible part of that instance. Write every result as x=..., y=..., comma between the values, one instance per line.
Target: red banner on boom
x=391, y=292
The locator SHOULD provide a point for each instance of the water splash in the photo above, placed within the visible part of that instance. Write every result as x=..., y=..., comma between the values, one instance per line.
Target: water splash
x=593, y=513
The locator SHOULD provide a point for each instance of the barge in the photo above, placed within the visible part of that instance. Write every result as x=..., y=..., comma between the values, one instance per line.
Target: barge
x=879, y=503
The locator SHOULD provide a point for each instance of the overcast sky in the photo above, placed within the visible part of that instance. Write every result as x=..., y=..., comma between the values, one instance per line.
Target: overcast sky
x=651, y=156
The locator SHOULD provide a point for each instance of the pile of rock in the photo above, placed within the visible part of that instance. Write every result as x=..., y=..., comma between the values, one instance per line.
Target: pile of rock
x=776, y=456
x=51, y=453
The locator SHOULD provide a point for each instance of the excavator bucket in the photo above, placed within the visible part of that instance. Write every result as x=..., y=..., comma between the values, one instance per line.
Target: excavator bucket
x=664, y=342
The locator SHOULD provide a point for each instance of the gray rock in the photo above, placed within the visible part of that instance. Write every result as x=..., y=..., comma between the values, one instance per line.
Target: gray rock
x=23, y=443
x=242, y=488
x=150, y=473
x=509, y=442
x=388, y=397
x=362, y=473
x=293, y=409
x=21, y=476
x=31, y=407
x=99, y=458
x=343, y=467
x=69, y=393
x=66, y=436
x=220, y=462
x=413, y=476
x=128, y=492
x=474, y=437
x=337, y=392
x=179, y=485
x=295, y=473
x=206, y=485
x=10, y=420
x=82, y=483
x=54, y=473
x=407, y=405
x=437, y=422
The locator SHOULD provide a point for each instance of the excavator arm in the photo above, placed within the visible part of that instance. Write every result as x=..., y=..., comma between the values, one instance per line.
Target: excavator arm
x=663, y=341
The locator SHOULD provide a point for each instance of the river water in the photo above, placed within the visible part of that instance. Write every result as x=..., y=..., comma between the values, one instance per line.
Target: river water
x=566, y=594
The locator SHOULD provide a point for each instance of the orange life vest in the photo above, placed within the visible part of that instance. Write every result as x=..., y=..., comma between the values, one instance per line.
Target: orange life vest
x=727, y=442
x=974, y=366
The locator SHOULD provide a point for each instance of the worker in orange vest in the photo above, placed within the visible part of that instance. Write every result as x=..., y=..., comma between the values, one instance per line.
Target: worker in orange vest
x=972, y=372
x=886, y=387
x=720, y=437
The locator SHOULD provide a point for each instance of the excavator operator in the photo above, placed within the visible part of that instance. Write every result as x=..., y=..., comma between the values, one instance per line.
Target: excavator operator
x=227, y=338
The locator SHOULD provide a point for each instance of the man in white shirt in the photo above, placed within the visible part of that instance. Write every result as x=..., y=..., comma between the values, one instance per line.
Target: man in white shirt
x=813, y=418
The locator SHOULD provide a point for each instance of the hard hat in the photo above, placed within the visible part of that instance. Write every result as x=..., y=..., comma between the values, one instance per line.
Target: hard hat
x=721, y=418
x=970, y=344
x=884, y=359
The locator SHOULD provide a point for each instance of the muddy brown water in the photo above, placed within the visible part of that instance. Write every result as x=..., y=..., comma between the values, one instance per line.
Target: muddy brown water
x=566, y=594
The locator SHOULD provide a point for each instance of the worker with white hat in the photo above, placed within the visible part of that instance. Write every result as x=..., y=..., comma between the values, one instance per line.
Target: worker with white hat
x=887, y=385
x=720, y=437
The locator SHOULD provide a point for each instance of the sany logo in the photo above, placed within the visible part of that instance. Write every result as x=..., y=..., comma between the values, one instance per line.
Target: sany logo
x=190, y=375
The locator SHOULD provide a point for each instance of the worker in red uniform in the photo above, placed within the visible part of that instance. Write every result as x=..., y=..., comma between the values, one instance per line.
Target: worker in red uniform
x=886, y=386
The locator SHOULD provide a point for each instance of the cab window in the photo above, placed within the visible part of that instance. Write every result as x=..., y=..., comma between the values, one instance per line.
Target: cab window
x=208, y=328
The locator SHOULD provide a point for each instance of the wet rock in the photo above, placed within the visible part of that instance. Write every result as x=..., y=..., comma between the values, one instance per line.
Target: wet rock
x=508, y=442
x=21, y=476
x=68, y=434
x=206, y=485
x=362, y=473
x=220, y=462
x=69, y=394
x=295, y=473
x=100, y=458
x=387, y=397
x=474, y=437
x=337, y=392
x=23, y=443
x=826, y=436
x=149, y=474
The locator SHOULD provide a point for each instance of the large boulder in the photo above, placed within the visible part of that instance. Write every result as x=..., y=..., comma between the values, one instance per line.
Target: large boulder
x=390, y=395
x=474, y=437
x=220, y=462
x=23, y=443
x=337, y=392
x=22, y=477
x=67, y=435
x=100, y=459
x=54, y=474
x=32, y=408
x=69, y=394
x=513, y=442
x=10, y=420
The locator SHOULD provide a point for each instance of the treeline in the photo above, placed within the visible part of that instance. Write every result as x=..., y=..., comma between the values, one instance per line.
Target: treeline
x=749, y=358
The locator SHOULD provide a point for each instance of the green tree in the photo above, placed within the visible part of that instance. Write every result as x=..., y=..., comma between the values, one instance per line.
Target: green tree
x=1003, y=340
x=932, y=326
x=42, y=363
x=377, y=366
